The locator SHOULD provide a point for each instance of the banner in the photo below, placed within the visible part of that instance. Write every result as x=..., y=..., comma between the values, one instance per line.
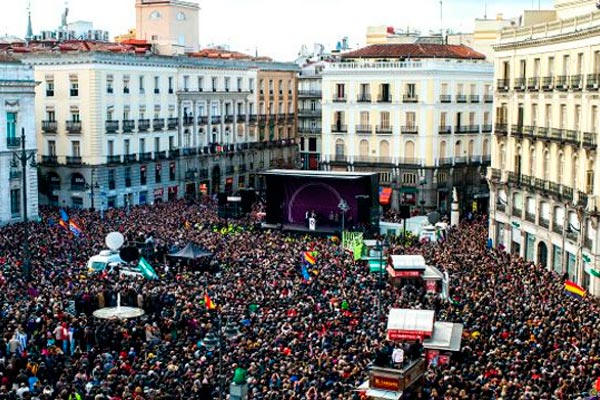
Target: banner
x=351, y=239
x=146, y=269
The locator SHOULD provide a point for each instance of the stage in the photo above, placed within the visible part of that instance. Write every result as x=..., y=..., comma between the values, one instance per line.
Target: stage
x=298, y=228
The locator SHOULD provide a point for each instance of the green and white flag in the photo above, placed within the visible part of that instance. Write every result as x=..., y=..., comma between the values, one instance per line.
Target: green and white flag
x=351, y=239
x=146, y=269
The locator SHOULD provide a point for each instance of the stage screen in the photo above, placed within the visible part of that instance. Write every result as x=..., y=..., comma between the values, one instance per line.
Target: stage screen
x=290, y=194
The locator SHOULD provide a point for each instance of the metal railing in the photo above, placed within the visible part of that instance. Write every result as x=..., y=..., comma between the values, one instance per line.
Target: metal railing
x=49, y=126
x=74, y=126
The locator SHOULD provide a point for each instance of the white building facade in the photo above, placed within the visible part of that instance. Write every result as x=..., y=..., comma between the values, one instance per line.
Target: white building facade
x=423, y=121
x=544, y=175
x=17, y=115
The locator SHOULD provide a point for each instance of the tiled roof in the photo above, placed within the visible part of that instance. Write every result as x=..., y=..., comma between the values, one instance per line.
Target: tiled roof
x=422, y=50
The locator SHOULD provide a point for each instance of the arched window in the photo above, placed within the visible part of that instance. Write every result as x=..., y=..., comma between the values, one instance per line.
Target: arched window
x=457, y=149
x=546, y=165
x=443, y=149
x=409, y=150
x=560, y=167
x=574, y=172
x=363, y=149
x=340, y=148
x=532, y=162
x=384, y=148
x=471, y=148
x=589, y=178
x=486, y=148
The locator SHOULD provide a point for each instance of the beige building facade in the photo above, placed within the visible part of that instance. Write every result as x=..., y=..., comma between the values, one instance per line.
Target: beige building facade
x=170, y=25
x=544, y=175
x=419, y=115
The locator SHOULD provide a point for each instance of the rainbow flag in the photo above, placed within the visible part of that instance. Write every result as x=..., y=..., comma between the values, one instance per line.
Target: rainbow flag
x=73, y=227
x=573, y=289
x=309, y=258
x=63, y=225
x=208, y=302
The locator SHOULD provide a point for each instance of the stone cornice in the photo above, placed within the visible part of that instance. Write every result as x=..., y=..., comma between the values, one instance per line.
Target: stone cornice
x=559, y=38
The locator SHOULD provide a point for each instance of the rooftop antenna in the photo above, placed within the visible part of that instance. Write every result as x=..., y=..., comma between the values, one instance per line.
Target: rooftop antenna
x=485, y=12
x=29, y=34
x=442, y=21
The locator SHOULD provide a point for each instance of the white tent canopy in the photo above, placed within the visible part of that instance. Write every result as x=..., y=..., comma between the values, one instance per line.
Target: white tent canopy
x=412, y=262
x=432, y=273
x=406, y=324
x=446, y=336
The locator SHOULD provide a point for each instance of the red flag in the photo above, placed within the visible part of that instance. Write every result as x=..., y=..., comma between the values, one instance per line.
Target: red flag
x=208, y=302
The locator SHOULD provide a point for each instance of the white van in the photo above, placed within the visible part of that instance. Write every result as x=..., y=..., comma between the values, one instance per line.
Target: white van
x=102, y=261
x=430, y=233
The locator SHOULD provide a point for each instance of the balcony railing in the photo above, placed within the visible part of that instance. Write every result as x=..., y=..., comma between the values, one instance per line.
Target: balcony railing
x=461, y=98
x=13, y=142
x=519, y=84
x=128, y=125
x=446, y=161
x=339, y=98
x=533, y=83
x=111, y=126
x=384, y=129
x=530, y=217
x=576, y=82
x=49, y=126
x=445, y=130
x=143, y=125
x=158, y=124
x=364, y=129
x=516, y=130
x=410, y=129
x=544, y=223
x=145, y=156
x=50, y=160
x=241, y=118
x=173, y=153
x=172, y=123
x=384, y=98
x=252, y=117
x=339, y=128
x=74, y=127
x=229, y=119
x=202, y=120
x=557, y=227
x=589, y=139
x=73, y=160
x=486, y=128
x=410, y=98
x=501, y=129
x=309, y=93
x=215, y=119
x=113, y=159
x=502, y=85
x=561, y=82
x=495, y=174
x=461, y=129
x=160, y=155
x=592, y=82
x=517, y=212
x=488, y=98
x=547, y=83
x=130, y=158
x=188, y=120
x=363, y=98
x=474, y=98
x=445, y=98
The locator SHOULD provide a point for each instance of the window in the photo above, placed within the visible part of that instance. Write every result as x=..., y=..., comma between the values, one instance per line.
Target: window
x=589, y=179
x=126, y=85
x=227, y=84
x=126, y=147
x=170, y=85
x=109, y=113
x=156, y=84
x=156, y=145
x=142, y=145
x=76, y=148
x=214, y=84
x=385, y=119
x=270, y=86
x=11, y=125
x=411, y=119
x=143, y=176
x=109, y=84
x=51, y=147
x=172, y=171
x=157, y=173
x=74, y=88
x=312, y=144
x=340, y=91
x=200, y=84
x=49, y=88
x=141, y=83
x=15, y=202
x=75, y=116
x=411, y=90
x=111, y=179
x=409, y=179
x=110, y=148
x=239, y=84
x=251, y=85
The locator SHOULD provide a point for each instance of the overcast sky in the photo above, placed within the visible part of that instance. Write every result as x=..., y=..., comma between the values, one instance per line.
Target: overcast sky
x=278, y=28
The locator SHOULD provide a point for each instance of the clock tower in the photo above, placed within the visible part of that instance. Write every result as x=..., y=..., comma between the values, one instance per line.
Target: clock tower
x=171, y=25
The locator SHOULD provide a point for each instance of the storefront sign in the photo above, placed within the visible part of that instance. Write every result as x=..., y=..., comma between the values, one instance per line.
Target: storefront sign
x=384, y=383
x=431, y=286
x=403, y=273
x=403, y=334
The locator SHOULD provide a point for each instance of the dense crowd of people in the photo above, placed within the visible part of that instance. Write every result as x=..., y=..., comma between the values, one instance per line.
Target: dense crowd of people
x=298, y=338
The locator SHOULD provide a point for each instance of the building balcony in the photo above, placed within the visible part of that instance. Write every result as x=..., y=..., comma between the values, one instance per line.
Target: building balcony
x=363, y=129
x=502, y=85
x=50, y=160
x=501, y=129
x=547, y=83
x=541, y=132
x=49, y=126
x=530, y=217
x=517, y=212
x=486, y=128
x=147, y=156
x=589, y=140
x=372, y=160
x=160, y=155
x=73, y=161
x=113, y=159
x=533, y=83
x=13, y=142
x=474, y=98
x=172, y=123
x=128, y=125
x=383, y=98
x=337, y=128
x=528, y=131
x=188, y=120
x=143, y=125
x=129, y=158
x=241, y=118
x=461, y=98
x=516, y=130
x=561, y=82
x=460, y=160
x=111, y=126
x=74, y=127
x=461, y=130
x=410, y=130
x=445, y=98
x=576, y=82
x=252, y=118
x=445, y=161
x=410, y=98
x=202, y=120
x=229, y=119
x=173, y=153
x=519, y=84
x=488, y=98
x=592, y=82
x=310, y=93
x=445, y=130
x=339, y=99
x=158, y=124
x=384, y=129
x=215, y=119
x=363, y=98
x=309, y=129
x=410, y=162
x=557, y=227
x=544, y=223
x=495, y=174
x=500, y=207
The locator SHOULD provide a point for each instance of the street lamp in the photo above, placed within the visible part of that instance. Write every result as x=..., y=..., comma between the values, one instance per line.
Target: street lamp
x=211, y=342
x=422, y=183
x=380, y=248
x=91, y=187
x=23, y=157
x=343, y=206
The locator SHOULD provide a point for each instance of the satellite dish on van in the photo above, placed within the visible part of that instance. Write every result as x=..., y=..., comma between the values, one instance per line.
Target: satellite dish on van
x=434, y=217
x=114, y=240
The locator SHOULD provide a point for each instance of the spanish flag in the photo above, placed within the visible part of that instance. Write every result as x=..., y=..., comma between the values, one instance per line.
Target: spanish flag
x=573, y=289
x=310, y=258
x=208, y=302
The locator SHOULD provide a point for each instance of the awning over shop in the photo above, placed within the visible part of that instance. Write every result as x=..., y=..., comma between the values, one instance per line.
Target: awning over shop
x=385, y=194
x=447, y=336
x=432, y=273
x=407, y=324
x=406, y=266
